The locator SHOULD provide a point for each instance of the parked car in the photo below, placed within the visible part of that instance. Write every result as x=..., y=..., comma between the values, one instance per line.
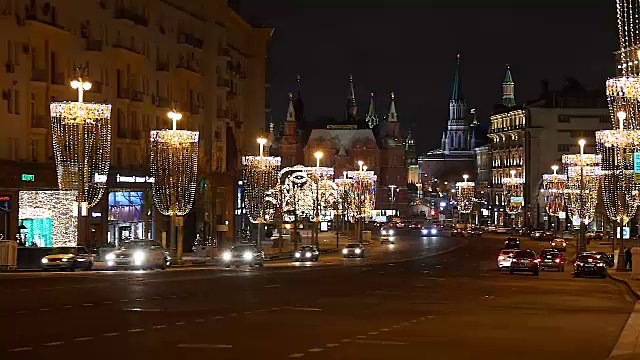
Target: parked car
x=607, y=258
x=140, y=254
x=525, y=261
x=474, y=232
x=67, y=258
x=306, y=253
x=588, y=264
x=353, y=250
x=243, y=254
x=595, y=235
x=512, y=243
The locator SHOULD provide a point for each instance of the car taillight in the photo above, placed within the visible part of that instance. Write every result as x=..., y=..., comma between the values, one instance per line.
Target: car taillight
x=536, y=260
x=558, y=261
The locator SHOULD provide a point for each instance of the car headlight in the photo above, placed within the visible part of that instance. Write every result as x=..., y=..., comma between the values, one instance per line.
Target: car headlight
x=110, y=256
x=383, y=232
x=307, y=254
x=344, y=251
x=138, y=257
x=390, y=232
x=434, y=231
x=226, y=256
x=247, y=255
x=358, y=251
x=297, y=254
x=424, y=231
x=44, y=260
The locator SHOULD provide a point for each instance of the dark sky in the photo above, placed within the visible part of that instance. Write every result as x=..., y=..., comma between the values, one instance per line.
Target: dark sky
x=410, y=49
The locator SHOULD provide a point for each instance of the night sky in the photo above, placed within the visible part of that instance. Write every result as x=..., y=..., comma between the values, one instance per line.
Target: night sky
x=410, y=49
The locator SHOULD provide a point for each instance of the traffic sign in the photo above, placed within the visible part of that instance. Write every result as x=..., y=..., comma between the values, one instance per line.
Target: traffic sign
x=626, y=233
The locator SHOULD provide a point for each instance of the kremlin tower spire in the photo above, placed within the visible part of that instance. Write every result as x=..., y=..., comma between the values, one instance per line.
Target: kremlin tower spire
x=298, y=102
x=458, y=136
x=372, y=118
x=290, y=123
x=352, y=108
x=508, y=90
x=393, y=115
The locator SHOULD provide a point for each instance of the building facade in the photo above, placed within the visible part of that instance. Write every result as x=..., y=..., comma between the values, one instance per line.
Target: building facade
x=529, y=138
x=145, y=59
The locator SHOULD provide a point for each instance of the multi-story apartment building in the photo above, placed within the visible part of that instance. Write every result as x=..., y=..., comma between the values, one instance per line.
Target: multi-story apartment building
x=531, y=137
x=145, y=57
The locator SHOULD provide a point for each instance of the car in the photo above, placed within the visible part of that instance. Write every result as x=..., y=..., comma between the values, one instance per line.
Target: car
x=306, y=253
x=140, y=254
x=525, y=261
x=243, y=254
x=589, y=264
x=67, y=258
x=504, y=259
x=607, y=258
x=474, y=232
x=388, y=240
x=429, y=230
x=551, y=260
x=512, y=243
x=548, y=236
x=457, y=232
x=415, y=225
x=596, y=235
x=537, y=234
x=559, y=244
x=387, y=231
x=353, y=250
x=501, y=230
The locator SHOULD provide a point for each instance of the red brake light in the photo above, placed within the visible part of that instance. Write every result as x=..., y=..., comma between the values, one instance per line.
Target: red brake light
x=558, y=260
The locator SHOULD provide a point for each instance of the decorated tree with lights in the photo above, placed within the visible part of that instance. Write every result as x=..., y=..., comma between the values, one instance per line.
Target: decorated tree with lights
x=466, y=195
x=174, y=166
x=82, y=145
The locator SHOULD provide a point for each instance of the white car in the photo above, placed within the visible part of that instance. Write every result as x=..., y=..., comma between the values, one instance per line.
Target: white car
x=504, y=259
x=139, y=254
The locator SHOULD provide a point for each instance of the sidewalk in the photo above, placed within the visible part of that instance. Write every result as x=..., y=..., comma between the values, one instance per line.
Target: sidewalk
x=628, y=345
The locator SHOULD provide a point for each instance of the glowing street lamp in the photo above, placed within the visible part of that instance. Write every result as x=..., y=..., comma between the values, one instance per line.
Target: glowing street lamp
x=318, y=156
x=360, y=163
x=261, y=141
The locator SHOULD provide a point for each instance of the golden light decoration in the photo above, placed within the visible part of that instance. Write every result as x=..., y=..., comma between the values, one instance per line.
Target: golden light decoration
x=623, y=95
x=364, y=187
x=553, y=187
x=619, y=187
x=583, y=178
x=299, y=186
x=346, y=197
x=174, y=166
x=466, y=195
x=512, y=188
x=82, y=145
x=629, y=36
x=59, y=206
x=260, y=176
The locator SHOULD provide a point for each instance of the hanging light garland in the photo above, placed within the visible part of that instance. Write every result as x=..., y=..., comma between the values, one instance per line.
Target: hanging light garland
x=174, y=166
x=260, y=176
x=512, y=188
x=300, y=187
x=466, y=195
x=553, y=187
x=82, y=145
x=364, y=187
x=583, y=177
x=347, y=200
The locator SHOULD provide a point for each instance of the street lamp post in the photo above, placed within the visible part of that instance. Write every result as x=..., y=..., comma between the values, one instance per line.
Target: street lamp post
x=318, y=155
x=393, y=199
x=582, y=244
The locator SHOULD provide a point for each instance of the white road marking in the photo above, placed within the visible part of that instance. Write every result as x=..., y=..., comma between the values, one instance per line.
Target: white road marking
x=304, y=309
x=248, y=312
x=135, y=330
x=180, y=323
x=157, y=297
x=107, y=302
x=218, y=317
x=44, y=309
x=159, y=326
x=87, y=304
x=315, y=350
x=272, y=286
x=345, y=340
x=296, y=355
x=374, y=333
x=381, y=342
x=21, y=349
x=215, y=346
x=53, y=343
x=331, y=345
x=361, y=336
x=21, y=312
x=124, y=300
x=385, y=329
x=233, y=314
x=111, y=334
x=200, y=320
x=84, y=338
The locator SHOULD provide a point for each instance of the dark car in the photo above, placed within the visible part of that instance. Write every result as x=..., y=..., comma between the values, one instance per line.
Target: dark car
x=589, y=264
x=551, y=260
x=306, y=253
x=607, y=258
x=243, y=254
x=512, y=243
x=353, y=250
x=67, y=258
x=457, y=232
x=525, y=261
x=474, y=232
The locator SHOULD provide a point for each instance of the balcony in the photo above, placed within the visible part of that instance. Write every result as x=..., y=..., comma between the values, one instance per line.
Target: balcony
x=127, y=48
x=224, y=83
x=50, y=21
x=191, y=40
x=137, y=96
x=58, y=79
x=131, y=15
x=162, y=102
x=93, y=45
x=188, y=66
x=223, y=114
x=162, y=66
x=40, y=75
x=39, y=121
x=123, y=93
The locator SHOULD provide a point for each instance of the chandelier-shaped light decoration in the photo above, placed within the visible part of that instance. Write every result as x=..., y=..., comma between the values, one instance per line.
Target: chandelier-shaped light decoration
x=583, y=177
x=466, y=195
x=512, y=188
x=619, y=187
x=347, y=199
x=364, y=187
x=554, y=186
x=174, y=166
x=260, y=176
x=82, y=145
x=629, y=36
x=300, y=188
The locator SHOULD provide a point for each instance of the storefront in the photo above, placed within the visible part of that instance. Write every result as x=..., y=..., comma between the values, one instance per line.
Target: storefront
x=48, y=218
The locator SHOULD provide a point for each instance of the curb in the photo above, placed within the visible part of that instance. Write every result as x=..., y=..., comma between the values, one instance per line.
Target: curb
x=625, y=283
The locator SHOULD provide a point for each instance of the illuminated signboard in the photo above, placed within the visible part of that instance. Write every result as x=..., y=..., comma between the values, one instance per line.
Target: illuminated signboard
x=28, y=177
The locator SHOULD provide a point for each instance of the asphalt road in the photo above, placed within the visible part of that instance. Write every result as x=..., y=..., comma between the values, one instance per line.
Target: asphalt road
x=435, y=298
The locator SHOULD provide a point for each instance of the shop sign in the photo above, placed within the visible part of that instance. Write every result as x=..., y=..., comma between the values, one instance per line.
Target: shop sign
x=134, y=179
x=100, y=178
x=28, y=177
x=5, y=204
x=342, y=127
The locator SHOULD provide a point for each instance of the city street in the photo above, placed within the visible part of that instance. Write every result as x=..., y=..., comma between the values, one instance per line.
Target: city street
x=436, y=298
